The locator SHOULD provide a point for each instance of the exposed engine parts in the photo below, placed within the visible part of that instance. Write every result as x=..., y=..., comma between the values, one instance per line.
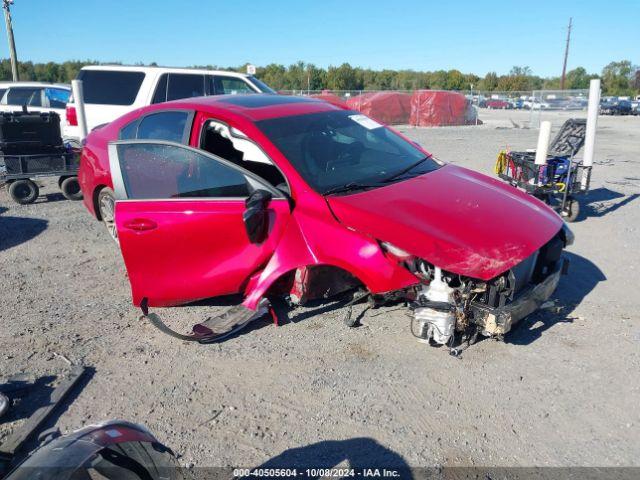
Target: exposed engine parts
x=448, y=304
x=434, y=317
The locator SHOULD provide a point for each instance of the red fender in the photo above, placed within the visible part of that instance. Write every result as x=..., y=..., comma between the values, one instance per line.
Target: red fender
x=358, y=254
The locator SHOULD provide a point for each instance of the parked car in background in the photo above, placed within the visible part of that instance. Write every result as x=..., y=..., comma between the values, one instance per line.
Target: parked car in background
x=270, y=195
x=112, y=91
x=497, y=104
x=616, y=107
x=37, y=96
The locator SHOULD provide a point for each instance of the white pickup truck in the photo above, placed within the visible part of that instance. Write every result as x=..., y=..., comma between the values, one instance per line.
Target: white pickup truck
x=112, y=91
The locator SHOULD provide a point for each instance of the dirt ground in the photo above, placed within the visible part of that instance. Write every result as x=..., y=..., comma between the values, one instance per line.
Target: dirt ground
x=562, y=390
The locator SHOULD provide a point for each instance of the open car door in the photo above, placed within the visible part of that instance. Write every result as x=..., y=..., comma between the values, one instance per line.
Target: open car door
x=190, y=225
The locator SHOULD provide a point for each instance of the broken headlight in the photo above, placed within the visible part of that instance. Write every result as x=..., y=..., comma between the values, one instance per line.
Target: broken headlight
x=567, y=235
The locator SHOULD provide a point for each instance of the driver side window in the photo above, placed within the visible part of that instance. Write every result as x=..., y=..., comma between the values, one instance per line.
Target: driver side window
x=233, y=145
x=164, y=171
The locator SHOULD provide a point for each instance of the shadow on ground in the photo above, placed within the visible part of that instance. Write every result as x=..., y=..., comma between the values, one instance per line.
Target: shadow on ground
x=600, y=202
x=583, y=277
x=28, y=397
x=360, y=453
x=17, y=230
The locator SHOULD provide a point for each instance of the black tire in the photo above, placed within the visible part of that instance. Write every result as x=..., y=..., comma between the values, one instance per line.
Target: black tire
x=571, y=210
x=71, y=188
x=24, y=191
x=106, y=208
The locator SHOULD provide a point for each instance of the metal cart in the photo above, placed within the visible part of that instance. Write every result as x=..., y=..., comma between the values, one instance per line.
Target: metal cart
x=558, y=182
x=18, y=172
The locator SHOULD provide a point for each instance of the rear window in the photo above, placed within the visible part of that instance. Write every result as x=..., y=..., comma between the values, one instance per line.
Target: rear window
x=104, y=87
x=24, y=96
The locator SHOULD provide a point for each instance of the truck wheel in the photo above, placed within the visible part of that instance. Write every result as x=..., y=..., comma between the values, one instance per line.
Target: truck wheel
x=71, y=188
x=106, y=206
x=571, y=210
x=24, y=191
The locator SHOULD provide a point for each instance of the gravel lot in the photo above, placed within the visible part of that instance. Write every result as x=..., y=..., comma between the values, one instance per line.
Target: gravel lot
x=562, y=390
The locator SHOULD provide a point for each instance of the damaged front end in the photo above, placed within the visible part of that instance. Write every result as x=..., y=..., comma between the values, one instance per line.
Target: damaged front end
x=447, y=304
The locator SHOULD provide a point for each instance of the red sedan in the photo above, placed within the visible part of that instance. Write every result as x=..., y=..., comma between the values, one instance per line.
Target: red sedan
x=272, y=196
x=498, y=104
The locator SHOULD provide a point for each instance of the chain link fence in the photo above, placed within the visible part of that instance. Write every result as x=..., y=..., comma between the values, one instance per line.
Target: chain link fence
x=540, y=104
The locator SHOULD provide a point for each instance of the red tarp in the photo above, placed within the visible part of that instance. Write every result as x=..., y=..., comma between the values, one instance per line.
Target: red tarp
x=331, y=98
x=432, y=108
x=385, y=107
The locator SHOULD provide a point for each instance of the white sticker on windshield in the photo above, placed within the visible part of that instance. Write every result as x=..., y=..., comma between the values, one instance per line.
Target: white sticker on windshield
x=365, y=121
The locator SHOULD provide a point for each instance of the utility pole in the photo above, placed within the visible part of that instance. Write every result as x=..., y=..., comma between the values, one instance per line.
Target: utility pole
x=566, y=55
x=12, y=43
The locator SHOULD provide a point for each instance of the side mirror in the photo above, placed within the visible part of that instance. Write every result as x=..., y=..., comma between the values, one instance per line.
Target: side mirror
x=258, y=198
x=255, y=217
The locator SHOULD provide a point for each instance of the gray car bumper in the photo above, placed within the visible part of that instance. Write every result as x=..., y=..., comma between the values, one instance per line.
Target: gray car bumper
x=498, y=321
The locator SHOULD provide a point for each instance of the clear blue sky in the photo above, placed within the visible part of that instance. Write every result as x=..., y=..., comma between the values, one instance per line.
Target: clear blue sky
x=472, y=36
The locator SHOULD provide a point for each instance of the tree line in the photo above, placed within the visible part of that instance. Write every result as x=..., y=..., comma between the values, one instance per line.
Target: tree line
x=618, y=78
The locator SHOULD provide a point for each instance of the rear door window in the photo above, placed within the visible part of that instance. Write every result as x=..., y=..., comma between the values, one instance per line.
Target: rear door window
x=168, y=126
x=231, y=86
x=172, y=126
x=110, y=87
x=181, y=85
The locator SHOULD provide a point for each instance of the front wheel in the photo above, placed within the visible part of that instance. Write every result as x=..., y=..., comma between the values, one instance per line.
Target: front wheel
x=24, y=191
x=106, y=207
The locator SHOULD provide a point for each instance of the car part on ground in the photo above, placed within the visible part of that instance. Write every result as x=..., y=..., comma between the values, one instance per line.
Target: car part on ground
x=109, y=450
x=14, y=442
x=213, y=329
x=4, y=404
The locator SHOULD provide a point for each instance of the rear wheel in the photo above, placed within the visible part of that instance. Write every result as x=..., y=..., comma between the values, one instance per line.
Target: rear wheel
x=24, y=191
x=106, y=206
x=71, y=188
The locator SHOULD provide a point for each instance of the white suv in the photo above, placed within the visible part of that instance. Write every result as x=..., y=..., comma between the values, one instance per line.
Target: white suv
x=112, y=91
x=37, y=96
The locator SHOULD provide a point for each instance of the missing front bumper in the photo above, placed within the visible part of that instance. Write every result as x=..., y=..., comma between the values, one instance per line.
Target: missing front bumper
x=498, y=321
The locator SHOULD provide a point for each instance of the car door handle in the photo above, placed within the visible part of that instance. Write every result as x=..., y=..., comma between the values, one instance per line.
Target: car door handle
x=140, y=224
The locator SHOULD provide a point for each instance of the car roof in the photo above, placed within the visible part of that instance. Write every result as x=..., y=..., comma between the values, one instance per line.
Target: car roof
x=148, y=69
x=256, y=107
x=34, y=84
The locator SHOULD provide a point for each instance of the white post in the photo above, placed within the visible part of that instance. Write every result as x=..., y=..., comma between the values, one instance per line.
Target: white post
x=592, y=123
x=543, y=143
x=78, y=99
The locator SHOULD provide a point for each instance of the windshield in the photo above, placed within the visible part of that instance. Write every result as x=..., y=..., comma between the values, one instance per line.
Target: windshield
x=337, y=148
x=263, y=87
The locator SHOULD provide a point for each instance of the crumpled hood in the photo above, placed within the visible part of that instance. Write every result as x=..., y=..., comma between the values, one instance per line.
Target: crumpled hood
x=454, y=218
